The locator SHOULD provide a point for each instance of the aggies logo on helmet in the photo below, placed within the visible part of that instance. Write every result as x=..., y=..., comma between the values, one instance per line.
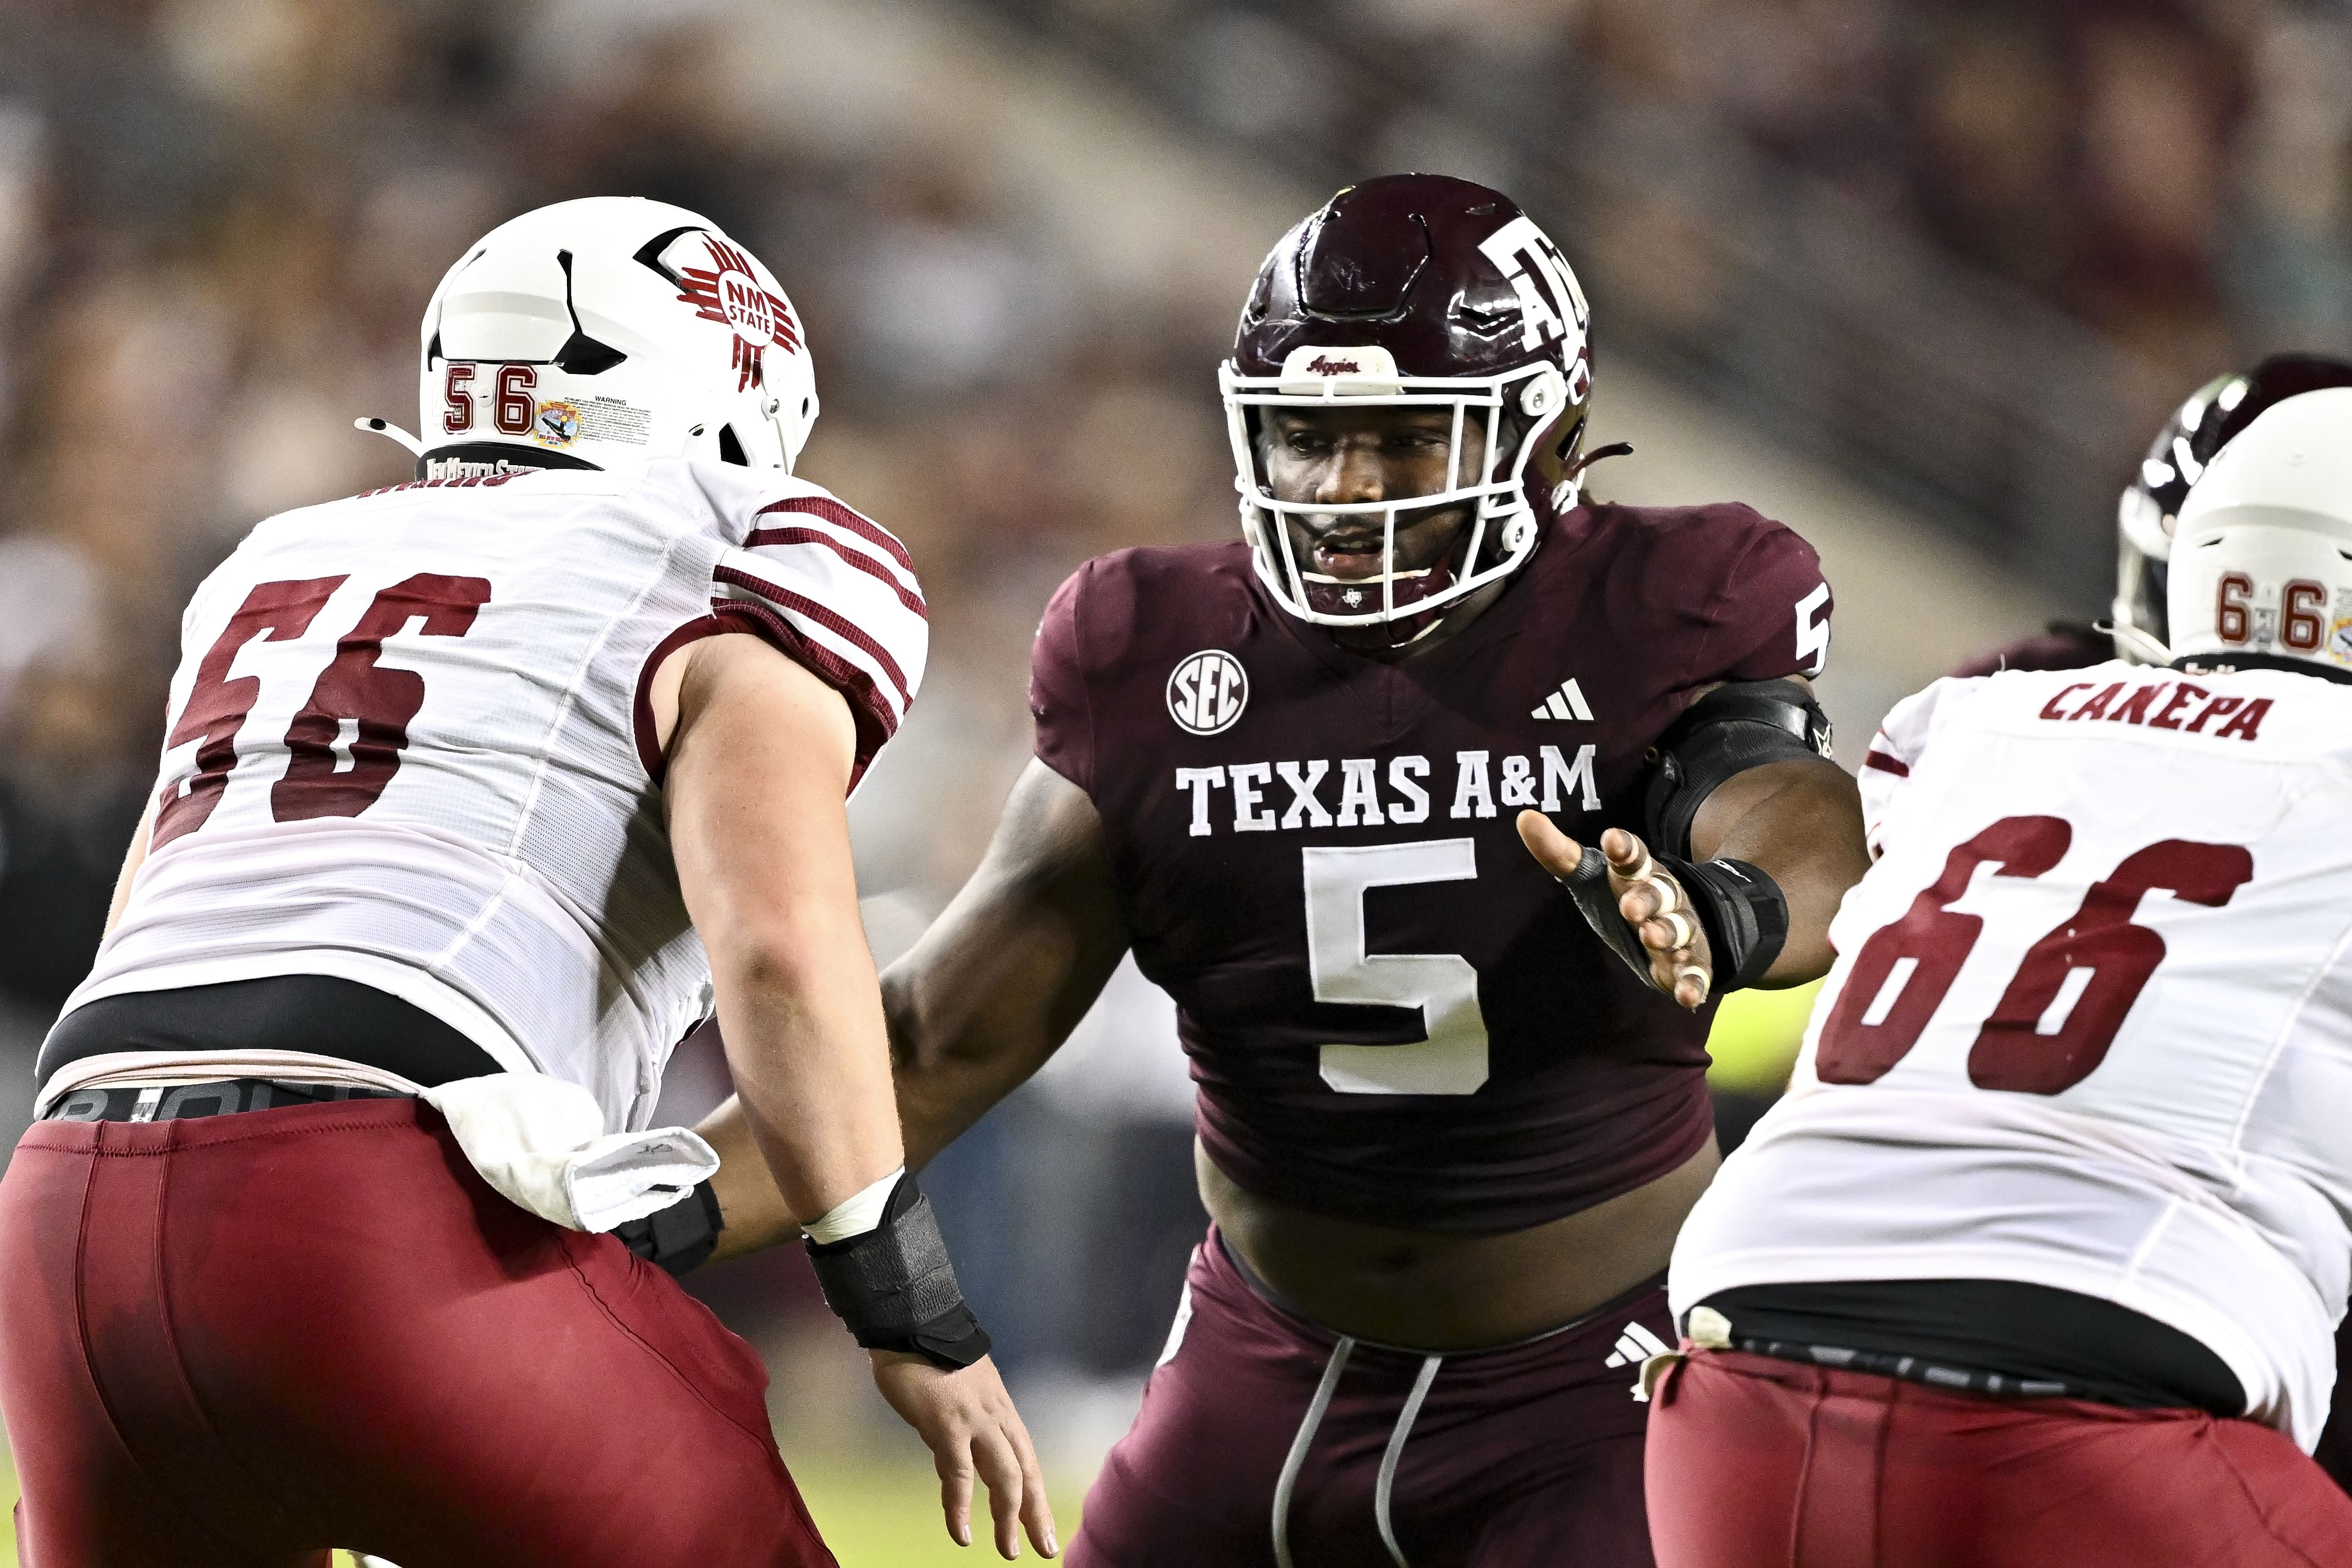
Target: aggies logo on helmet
x=729, y=292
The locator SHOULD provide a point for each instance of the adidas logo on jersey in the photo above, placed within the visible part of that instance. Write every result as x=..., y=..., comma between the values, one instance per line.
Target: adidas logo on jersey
x=1635, y=1346
x=1568, y=703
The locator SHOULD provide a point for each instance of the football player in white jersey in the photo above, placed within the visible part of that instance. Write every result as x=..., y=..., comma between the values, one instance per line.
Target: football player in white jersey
x=2042, y=1258
x=480, y=793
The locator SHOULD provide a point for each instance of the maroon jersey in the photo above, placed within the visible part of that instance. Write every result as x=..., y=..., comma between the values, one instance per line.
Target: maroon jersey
x=2062, y=645
x=1392, y=1013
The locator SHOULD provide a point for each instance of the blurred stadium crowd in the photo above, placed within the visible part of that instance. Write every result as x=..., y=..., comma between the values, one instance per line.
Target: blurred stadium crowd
x=1967, y=249
x=2176, y=174
x=220, y=220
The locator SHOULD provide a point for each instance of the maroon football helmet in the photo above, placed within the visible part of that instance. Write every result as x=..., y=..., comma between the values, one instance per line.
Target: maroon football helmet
x=1416, y=290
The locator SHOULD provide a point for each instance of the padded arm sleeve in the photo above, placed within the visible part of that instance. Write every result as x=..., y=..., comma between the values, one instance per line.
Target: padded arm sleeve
x=1730, y=730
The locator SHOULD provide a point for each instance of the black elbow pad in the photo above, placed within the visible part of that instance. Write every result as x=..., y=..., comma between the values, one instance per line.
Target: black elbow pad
x=1734, y=728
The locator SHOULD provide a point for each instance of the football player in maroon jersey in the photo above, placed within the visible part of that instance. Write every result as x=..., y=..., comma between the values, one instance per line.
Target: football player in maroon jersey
x=1445, y=1134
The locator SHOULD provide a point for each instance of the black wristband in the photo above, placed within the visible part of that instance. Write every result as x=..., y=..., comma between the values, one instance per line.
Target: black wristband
x=895, y=1288
x=679, y=1238
x=1743, y=913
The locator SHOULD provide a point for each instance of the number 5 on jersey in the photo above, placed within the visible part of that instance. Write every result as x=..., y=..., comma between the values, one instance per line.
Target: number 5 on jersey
x=1442, y=987
x=353, y=690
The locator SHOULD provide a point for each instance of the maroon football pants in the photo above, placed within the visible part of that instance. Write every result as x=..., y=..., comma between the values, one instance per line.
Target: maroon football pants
x=1757, y=1463
x=235, y=1342
x=1258, y=1424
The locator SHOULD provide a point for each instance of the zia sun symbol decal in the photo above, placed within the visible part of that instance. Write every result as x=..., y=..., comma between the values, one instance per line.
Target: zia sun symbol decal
x=729, y=292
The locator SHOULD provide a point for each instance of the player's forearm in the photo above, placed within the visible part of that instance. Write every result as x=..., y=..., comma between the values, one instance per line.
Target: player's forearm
x=1008, y=969
x=968, y=1027
x=1799, y=822
x=752, y=1215
x=803, y=1024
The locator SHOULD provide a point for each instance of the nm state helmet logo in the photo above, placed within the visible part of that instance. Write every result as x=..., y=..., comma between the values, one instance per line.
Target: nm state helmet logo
x=728, y=291
x=1206, y=692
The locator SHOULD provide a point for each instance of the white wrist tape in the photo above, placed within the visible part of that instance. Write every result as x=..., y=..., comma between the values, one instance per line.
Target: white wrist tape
x=855, y=1215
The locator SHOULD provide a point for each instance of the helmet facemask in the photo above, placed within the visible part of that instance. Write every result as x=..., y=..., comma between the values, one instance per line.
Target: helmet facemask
x=1493, y=423
x=1413, y=292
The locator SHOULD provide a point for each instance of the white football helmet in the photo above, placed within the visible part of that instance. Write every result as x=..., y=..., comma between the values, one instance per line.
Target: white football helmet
x=2262, y=552
x=607, y=330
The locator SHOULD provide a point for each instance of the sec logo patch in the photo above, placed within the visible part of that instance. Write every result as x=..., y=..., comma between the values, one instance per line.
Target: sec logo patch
x=1206, y=692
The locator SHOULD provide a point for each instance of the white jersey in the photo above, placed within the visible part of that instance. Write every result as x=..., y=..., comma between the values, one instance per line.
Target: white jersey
x=2091, y=1022
x=411, y=746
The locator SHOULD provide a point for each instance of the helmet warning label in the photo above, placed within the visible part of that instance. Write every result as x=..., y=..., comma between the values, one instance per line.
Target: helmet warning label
x=599, y=419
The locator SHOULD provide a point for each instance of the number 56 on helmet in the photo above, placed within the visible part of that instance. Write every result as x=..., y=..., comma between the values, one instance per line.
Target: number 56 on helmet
x=606, y=330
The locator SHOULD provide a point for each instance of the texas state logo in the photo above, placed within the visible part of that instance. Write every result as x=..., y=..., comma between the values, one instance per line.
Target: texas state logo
x=1206, y=692
x=728, y=291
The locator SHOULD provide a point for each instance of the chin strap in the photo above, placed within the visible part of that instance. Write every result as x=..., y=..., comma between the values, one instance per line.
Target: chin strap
x=391, y=432
x=2133, y=643
x=1614, y=450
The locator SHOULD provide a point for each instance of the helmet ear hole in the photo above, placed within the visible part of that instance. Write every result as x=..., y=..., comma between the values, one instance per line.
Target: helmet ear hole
x=731, y=449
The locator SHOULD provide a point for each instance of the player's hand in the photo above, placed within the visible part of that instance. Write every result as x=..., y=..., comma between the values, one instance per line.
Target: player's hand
x=1649, y=898
x=967, y=1420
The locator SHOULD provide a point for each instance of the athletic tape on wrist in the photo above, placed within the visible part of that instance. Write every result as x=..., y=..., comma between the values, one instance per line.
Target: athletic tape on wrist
x=895, y=1288
x=857, y=1213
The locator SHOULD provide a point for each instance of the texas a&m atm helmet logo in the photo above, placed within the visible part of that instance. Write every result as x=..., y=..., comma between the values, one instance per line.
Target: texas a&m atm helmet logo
x=1206, y=692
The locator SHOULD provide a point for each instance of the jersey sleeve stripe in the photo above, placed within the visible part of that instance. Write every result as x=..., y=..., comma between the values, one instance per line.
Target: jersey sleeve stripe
x=855, y=558
x=641, y=708
x=869, y=707
x=1886, y=763
x=817, y=615
x=841, y=517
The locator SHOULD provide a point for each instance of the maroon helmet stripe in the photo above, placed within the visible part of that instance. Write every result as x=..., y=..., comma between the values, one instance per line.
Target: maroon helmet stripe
x=840, y=516
x=859, y=558
x=810, y=608
x=1885, y=763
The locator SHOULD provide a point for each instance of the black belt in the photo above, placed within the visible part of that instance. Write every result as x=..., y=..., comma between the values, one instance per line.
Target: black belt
x=2000, y=1337
x=317, y=1013
x=221, y=1097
